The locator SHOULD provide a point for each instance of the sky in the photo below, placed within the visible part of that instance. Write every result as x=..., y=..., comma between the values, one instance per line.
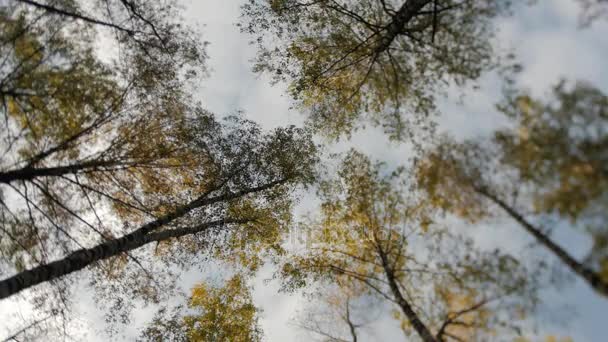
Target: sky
x=548, y=43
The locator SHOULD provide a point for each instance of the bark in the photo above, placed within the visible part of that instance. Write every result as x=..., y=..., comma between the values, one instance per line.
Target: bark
x=29, y=173
x=143, y=235
x=84, y=257
x=77, y=16
x=592, y=278
x=406, y=308
x=133, y=12
x=406, y=12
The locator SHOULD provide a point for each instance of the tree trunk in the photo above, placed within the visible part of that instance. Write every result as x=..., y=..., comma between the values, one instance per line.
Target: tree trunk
x=405, y=13
x=406, y=308
x=84, y=257
x=351, y=326
x=29, y=173
x=75, y=15
x=591, y=277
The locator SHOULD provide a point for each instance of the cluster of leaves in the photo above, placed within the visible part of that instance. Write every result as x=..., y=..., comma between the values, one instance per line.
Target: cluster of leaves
x=381, y=62
x=108, y=164
x=552, y=163
x=101, y=157
x=378, y=236
x=217, y=314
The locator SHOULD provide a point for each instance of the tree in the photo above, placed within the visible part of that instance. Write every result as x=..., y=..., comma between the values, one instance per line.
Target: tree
x=376, y=61
x=550, y=164
x=336, y=313
x=153, y=42
x=376, y=232
x=219, y=314
x=66, y=113
x=242, y=163
x=101, y=157
x=82, y=137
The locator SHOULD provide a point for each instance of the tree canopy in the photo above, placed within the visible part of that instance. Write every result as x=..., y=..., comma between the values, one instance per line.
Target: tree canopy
x=550, y=164
x=377, y=235
x=102, y=158
x=116, y=181
x=224, y=313
x=373, y=61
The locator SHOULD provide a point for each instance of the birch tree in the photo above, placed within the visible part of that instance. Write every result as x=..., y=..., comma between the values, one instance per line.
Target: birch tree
x=349, y=63
x=551, y=163
x=102, y=156
x=376, y=233
x=249, y=163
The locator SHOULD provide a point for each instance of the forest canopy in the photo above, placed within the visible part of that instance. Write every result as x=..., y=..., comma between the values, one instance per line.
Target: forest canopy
x=121, y=190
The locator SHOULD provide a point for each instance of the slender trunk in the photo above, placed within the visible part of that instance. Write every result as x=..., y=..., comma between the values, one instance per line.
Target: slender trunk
x=29, y=173
x=591, y=277
x=353, y=332
x=406, y=12
x=406, y=308
x=84, y=257
x=351, y=325
x=76, y=16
